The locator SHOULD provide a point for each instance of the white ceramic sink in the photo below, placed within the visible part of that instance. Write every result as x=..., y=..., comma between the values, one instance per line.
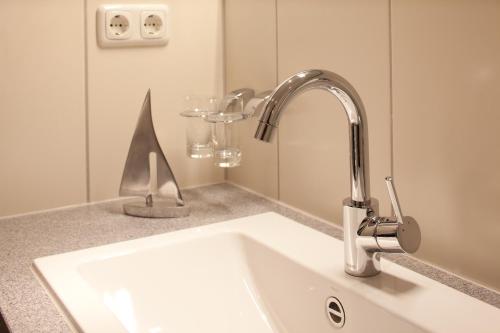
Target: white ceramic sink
x=258, y=274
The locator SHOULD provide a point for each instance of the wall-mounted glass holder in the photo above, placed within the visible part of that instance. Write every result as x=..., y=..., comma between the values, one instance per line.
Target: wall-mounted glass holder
x=222, y=143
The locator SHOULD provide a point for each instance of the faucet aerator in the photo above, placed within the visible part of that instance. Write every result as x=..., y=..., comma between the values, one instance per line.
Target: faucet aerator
x=264, y=132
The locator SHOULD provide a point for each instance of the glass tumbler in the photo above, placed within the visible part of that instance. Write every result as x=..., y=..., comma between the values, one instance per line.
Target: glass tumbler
x=227, y=152
x=198, y=131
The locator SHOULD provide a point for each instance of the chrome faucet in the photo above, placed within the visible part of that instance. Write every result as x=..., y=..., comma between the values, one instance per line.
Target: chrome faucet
x=365, y=233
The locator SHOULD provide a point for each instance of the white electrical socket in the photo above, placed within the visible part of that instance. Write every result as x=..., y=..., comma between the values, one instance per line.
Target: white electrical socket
x=118, y=25
x=132, y=25
x=153, y=24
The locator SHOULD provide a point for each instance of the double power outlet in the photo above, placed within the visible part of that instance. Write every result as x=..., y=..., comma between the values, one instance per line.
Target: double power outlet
x=132, y=25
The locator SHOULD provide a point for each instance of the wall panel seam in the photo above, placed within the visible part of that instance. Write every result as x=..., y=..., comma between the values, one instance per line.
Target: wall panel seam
x=278, y=189
x=391, y=99
x=86, y=101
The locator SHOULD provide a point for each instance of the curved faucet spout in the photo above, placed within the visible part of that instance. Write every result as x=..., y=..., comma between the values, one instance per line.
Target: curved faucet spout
x=347, y=95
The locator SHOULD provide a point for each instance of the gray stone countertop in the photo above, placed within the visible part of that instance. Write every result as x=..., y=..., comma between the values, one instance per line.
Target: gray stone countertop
x=24, y=303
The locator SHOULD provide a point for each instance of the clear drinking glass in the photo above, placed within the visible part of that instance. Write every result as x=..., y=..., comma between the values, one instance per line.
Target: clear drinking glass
x=198, y=131
x=227, y=152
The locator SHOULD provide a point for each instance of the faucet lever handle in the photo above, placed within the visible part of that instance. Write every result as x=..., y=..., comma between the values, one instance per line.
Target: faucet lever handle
x=394, y=199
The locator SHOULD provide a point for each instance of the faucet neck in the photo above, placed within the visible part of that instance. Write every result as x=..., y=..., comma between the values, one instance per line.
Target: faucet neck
x=353, y=107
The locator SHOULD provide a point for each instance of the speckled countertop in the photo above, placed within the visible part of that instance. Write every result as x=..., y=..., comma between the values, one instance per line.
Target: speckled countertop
x=27, y=308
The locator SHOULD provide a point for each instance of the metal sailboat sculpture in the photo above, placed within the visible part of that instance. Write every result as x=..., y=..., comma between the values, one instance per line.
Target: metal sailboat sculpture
x=148, y=175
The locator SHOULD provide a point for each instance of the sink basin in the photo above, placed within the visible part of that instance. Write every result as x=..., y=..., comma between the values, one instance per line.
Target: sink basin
x=259, y=274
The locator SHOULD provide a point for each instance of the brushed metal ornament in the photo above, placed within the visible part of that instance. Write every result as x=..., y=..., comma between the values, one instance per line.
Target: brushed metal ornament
x=147, y=174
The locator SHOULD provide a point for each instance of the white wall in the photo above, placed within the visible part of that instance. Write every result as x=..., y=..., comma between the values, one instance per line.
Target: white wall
x=118, y=80
x=250, y=47
x=45, y=68
x=42, y=105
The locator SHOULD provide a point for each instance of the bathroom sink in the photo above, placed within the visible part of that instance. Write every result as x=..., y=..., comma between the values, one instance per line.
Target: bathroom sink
x=258, y=274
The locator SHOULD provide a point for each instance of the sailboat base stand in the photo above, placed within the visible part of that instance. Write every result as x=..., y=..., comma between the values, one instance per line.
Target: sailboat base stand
x=159, y=209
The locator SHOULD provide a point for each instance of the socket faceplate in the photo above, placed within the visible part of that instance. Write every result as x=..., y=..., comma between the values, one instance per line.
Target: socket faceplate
x=132, y=25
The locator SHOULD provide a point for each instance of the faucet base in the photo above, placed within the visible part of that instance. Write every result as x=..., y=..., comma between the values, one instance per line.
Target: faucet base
x=360, y=258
